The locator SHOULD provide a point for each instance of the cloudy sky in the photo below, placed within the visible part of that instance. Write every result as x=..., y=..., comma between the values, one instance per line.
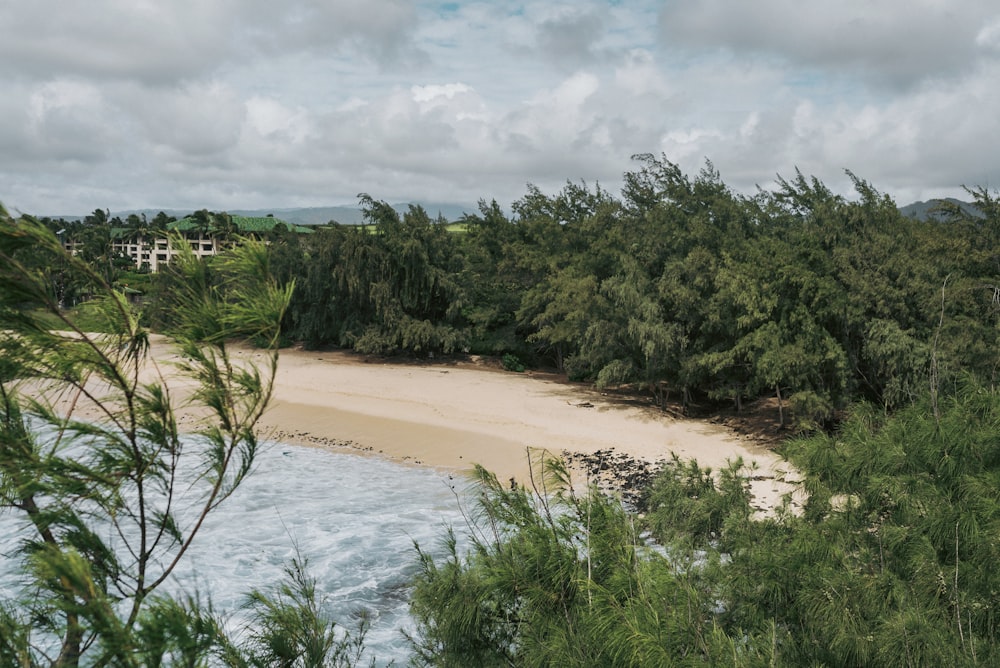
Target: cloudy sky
x=226, y=104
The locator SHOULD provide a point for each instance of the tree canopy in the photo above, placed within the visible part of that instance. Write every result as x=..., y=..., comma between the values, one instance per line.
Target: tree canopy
x=680, y=287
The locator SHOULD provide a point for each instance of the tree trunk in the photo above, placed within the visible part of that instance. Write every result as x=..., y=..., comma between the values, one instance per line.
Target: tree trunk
x=781, y=407
x=69, y=653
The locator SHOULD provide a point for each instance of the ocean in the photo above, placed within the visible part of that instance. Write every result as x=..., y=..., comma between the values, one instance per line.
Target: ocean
x=354, y=518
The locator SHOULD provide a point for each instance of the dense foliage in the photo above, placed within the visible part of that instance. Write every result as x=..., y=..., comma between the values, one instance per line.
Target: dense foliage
x=891, y=564
x=680, y=287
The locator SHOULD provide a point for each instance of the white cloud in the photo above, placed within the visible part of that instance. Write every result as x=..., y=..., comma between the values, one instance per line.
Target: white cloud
x=891, y=42
x=639, y=75
x=570, y=37
x=160, y=43
x=155, y=42
x=227, y=103
x=270, y=118
x=59, y=95
x=67, y=121
x=683, y=145
x=435, y=92
x=194, y=123
x=750, y=125
x=988, y=36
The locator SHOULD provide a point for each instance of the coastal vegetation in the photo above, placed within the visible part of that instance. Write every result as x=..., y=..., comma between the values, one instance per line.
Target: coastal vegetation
x=679, y=288
x=874, y=335
x=108, y=491
x=890, y=564
x=878, y=335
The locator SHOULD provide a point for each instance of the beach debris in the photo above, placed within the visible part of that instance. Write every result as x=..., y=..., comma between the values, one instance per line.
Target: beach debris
x=616, y=473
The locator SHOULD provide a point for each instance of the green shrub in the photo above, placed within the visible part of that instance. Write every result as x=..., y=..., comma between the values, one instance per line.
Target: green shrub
x=512, y=363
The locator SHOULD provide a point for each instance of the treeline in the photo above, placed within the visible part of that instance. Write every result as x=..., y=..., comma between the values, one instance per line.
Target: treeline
x=679, y=286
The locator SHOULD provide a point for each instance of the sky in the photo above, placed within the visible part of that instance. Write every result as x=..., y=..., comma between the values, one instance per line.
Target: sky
x=240, y=104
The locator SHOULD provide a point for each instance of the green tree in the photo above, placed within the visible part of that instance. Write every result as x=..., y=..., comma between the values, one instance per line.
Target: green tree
x=320, y=312
x=561, y=309
x=562, y=253
x=553, y=578
x=636, y=343
x=223, y=228
x=889, y=564
x=112, y=505
x=389, y=287
x=160, y=222
x=95, y=246
x=492, y=283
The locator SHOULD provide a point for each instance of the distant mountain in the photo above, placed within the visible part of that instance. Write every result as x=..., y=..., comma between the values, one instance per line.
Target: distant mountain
x=320, y=215
x=924, y=210
x=352, y=215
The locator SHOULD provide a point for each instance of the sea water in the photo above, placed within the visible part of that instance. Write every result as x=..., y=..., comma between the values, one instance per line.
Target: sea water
x=354, y=519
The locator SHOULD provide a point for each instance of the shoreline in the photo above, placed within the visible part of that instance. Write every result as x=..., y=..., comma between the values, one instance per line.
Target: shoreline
x=450, y=415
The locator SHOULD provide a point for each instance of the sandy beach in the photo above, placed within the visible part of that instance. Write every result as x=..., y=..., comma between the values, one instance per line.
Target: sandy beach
x=452, y=415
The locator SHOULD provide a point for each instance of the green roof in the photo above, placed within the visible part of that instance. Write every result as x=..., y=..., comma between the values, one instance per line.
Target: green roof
x=243, y=225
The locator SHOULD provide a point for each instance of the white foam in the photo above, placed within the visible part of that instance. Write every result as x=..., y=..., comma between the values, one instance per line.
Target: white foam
x=354, y=518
